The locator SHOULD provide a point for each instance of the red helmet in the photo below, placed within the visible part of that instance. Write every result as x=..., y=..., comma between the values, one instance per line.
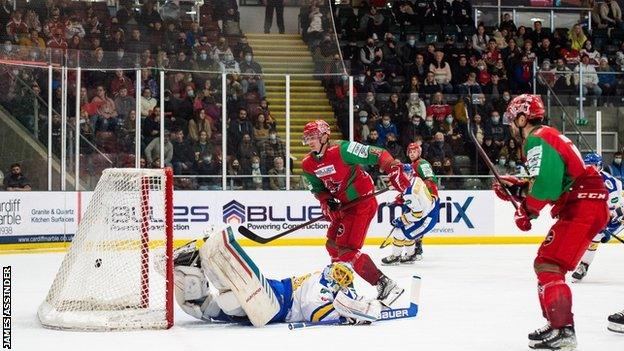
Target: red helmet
x=414, y=146
x=530, y=105
x=315, y=129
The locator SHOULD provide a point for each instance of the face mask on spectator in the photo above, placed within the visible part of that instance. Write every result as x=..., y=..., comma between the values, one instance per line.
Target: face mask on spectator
x=502, y=161
x=208, y=158
x=495, y=120
x=385, y=123
x=120, y=54
x=248, y=58
x=481, y=67
x=416, y=122
x=363, y=120
x=190, y=93
x=370, y=99
x=411, y=42
x=429, y=123
x=506, y=97
x=370, y=44
x=617, y=161
x=204, y=56
x=449, y=120
x=361, y=78
x=255, y=165
x=273, y=137
x=512, y=164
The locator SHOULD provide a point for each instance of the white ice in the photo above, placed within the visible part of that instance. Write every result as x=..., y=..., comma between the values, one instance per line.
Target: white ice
x=473, y=298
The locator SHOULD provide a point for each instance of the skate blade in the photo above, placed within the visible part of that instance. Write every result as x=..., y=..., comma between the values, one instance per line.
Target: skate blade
x=391, y=264
x=616, y=328
x=408, y=263
x=532, y=345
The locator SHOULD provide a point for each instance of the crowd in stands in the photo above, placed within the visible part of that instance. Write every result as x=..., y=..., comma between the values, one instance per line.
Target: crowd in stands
x=423, y=73
x=110, y=44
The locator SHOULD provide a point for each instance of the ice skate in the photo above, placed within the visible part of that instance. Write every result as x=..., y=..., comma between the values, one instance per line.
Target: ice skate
x=539, y=334
x=558, y=339
x=388, y=291
x=391, y=260
x=580, y=272
x=616, y=322
x=410, y=259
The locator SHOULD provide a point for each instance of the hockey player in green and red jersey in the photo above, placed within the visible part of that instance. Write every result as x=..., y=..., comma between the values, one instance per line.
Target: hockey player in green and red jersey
x=421, y=211
x=557, y=176
x=335, y=178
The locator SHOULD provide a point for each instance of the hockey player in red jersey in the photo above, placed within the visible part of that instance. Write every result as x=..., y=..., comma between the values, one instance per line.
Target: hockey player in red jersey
x=556, y=176
x=335, y=177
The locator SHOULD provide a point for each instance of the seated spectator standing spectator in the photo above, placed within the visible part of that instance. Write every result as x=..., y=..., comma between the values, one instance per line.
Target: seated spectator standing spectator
x=384, y=127
x=252, y=76
x=430, y=86
x=396, y=110
x=616, y=168
x=16, y=28
x=430, y=129
x=367, y=53
x=607, y=81
x=480, y=39
x=438, y=109
x=256, y=181
x=262, y=129
x=183, y=154
x=124, y=103
x=538, y=33
x=208, y=165
x=438, y=148
x=200, y=123
x=590, y=50
x=373, y=138
x=152, y=152
x=147, y=102
x=394, y=148
x=16, y=180
x=237, y=128
x=564, y=79
x=415, y=106
x=151, y=127
x=411, y=130
x=546, y=52
x=277, y=181
x=271, y=148
x=522, y=77
x=470, y=87
x=577, y=37
x=442, y=72
x=461, y=70
x=497, y=130
x=611, y=14
x=461, y=12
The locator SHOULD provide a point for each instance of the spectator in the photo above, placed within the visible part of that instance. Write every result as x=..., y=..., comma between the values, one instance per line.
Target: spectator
x=151, y=126
x=373, y=22
x=412, y=86
x=607, y=81
x=277, y=181
x=262, y=128
x=589, y=79
x=147, y=102
x=616, y=168
x=203, y=146
x=512, y=152
x=431, y=86
x=492, y=54
x=384, y=127
x=33, y=41
x=256, y=180
x=200, y=123
x=430, y=129
x=470, y=87
x=315, y=29
x=245, y=151
x=183, y=154
x=461, y=12
x=523, y=76
x=152, y=152
x=220, y=50
x=394, y=148
x=564, y=80
x=127, y=132
x=74, y=27
x=119, y=81
x=538, y=33
x=442, y=72
x=546, y=52
x=438, y=148
x=492, y=152
x=367, y=53
x=453, y=135
x=252, y=76
x=234, y=169
x=278, y=7
x=228, y=65
x=238, y=127
x=589, y=50
x=577, y=37
x=362, y=130
x=499, y=132
x=106, y=106
x=480, y=39
x=16, y=28
x=415, y=106
x=483, y=75
x=508, y=23
x=373, y=138
x=124, y=103
x=271, y=148
x=502, y=167
x=16, y=181
x=438, y=109
x=411, y=130
x=611, y=14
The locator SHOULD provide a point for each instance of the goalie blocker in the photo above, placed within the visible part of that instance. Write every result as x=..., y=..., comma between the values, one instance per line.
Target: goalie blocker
x=245, y=294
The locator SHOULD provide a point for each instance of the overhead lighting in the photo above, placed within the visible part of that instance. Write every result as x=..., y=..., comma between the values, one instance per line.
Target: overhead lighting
x=537, y=19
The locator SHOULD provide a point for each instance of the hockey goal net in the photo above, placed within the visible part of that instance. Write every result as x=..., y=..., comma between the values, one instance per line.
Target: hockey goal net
x=118, y=272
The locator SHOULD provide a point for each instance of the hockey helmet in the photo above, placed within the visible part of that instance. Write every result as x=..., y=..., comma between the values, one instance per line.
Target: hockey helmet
x=339, y=273
x=315, y=129
x=414, y=146
x=530, y=105
x=593, y=159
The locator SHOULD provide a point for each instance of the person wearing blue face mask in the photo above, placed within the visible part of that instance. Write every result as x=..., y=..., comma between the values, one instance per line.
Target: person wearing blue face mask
x=616, y=169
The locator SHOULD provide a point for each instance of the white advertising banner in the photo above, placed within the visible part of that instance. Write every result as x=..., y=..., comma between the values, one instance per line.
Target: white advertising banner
x=53, y=216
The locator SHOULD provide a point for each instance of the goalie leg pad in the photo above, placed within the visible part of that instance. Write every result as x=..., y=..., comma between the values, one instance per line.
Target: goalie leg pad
x=360, y=310
x=231, y=264
x=229, y=304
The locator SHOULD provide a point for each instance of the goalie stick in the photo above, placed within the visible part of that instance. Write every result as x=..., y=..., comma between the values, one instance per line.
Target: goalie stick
x=247, y=233
x=487, y=161
x=386, y=314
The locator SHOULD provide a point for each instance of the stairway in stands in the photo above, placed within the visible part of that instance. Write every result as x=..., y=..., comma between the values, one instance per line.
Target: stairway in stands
x=287, y=53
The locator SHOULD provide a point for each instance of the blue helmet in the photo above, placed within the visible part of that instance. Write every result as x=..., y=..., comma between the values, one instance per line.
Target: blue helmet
x=593, y=158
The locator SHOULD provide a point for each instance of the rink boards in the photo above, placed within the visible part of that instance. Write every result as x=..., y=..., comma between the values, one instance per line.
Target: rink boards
x=48, y=220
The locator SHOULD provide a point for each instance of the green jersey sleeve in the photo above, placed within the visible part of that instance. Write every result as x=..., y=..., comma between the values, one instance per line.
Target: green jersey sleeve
x=425, y=171
x=314, y=184
x=546, y=169
x=354, y=153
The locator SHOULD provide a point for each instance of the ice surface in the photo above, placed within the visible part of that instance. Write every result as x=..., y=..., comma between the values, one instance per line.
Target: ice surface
x=473, y=298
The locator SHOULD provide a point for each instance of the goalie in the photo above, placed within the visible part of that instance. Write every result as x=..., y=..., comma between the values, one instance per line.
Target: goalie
x=242, y=294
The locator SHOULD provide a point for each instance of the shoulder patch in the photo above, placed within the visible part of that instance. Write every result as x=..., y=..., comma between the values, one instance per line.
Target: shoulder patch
x=534, y=160
x=426, y=170
x=357, y=149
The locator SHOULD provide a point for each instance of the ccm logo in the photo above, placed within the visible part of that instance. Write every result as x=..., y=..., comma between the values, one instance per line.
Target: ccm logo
x=592, y=196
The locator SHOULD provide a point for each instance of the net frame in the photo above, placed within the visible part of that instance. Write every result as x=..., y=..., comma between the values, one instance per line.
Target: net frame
x=120, y=312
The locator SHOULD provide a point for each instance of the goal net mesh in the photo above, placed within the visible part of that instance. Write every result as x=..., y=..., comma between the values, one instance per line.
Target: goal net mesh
x=114, y=276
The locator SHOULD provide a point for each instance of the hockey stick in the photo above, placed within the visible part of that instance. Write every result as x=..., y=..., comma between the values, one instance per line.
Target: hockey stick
x=386, y=314
x=385, y=243
x=247, y=233
x=488, y=162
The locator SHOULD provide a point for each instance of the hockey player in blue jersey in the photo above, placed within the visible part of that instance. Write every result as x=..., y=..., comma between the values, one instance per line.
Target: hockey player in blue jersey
x=220, y=282
x=614, y=186
x=421, y=209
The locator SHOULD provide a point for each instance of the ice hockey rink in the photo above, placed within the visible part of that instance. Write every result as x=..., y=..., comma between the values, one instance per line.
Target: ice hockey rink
x=474, y=297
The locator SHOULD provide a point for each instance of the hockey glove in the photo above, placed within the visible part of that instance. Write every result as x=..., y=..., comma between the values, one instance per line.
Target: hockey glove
x=517, y=188
x=331, y=209
x=398, y=178
x=522, y=219
x=398, y=222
